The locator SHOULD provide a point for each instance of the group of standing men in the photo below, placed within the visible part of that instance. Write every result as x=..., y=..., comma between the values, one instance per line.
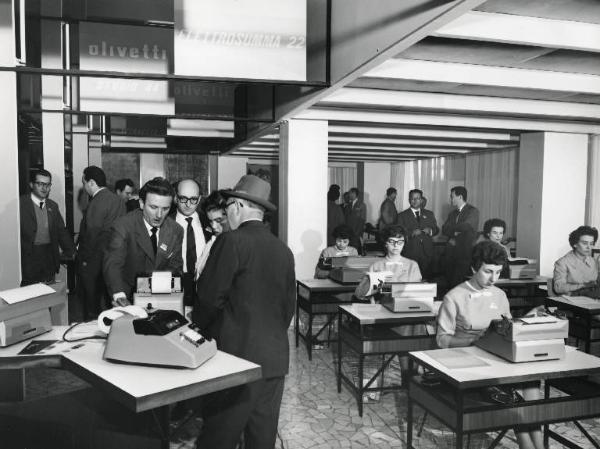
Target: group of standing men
x=421, y=226
x=241, y=283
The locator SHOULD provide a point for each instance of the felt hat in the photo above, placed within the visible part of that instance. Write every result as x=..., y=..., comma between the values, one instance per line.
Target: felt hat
x=252, y=188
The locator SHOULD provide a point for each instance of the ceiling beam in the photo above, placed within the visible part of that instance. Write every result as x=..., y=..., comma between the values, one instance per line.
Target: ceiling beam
x=345, y=129
x=481, y=75
x=450, y=120
x=523, y=30
x=417, y=142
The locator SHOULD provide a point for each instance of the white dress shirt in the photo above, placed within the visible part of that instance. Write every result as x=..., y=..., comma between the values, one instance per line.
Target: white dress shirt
x=198, y=235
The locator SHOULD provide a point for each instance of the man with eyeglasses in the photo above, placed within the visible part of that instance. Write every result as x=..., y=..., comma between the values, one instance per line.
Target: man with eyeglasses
x=187, y=201
x=43, y=232
x=143, y=241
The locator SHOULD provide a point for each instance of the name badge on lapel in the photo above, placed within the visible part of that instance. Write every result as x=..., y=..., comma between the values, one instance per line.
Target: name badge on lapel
x=163, y=246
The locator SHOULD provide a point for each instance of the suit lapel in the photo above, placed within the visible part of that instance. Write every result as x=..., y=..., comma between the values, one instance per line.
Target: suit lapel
x=164, y=246
x=142, y=238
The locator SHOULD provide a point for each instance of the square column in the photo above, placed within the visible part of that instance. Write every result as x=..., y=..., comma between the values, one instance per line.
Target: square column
x=303, y=191
x=553, y=170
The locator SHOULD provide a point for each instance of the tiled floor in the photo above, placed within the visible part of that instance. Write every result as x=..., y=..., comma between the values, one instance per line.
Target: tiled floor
x=314, y=415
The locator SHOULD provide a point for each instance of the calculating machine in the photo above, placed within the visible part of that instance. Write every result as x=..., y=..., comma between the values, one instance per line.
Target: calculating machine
x=350, y=269
x=522, y=268
x=526, y=339
x=402, y=297
x=163, y=338
x=161, y=290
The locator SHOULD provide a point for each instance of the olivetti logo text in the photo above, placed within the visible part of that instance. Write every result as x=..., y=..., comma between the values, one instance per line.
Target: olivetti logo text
x=152, y=52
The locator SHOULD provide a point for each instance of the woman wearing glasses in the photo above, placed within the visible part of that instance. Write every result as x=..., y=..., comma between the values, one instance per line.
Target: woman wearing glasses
x=403, y=269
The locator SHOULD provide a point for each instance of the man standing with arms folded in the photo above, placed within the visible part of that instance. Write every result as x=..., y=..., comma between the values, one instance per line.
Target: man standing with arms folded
x=420, y=225
x=461, y=230
x=143, y=241
x=246, y=297
x=42, y=232
x=103, y=209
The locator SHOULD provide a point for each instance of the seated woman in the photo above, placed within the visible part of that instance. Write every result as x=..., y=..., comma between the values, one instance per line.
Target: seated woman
x=403, y=269
x=493, y=230
x=576, y=273
x=467, y=311
x=341, y=248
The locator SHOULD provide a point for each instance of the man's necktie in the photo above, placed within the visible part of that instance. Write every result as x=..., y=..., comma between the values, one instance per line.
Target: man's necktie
x=41, y=204
x=190, y=251
x=154, y=240
x=418, y=215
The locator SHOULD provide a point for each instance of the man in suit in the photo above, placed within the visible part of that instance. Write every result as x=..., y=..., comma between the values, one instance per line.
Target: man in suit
x=124, y=189
x=420, y=225
x=103, y=209
x=143, y=241
x=246, y=297
x=335, y=215
x=187, y=200
x=388, y=212
x=356, y=216
x=43, y=232
x=461, y=230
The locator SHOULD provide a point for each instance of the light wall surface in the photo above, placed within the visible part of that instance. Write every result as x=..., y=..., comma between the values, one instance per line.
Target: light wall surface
x=231, y=169
x=377, y=181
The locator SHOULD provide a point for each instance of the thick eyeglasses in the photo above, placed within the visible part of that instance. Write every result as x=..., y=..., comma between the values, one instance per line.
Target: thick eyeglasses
x=43, y=184
x=395, y=242
x=185, y=199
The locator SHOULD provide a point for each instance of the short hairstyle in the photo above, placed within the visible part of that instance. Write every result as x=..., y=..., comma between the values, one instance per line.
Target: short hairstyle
x=390, y=190
x=420, y=192
x=122, y=183
x=95, y=173
x=459, y=191
x=33, y=174
x=493, y=223
x=487, y=252
x=355, y=190
x=214, y=201
x=395, y=231
x=581, y=231
x=158, y=186
x=333, y=195
x=342, y=232
x=334, y=187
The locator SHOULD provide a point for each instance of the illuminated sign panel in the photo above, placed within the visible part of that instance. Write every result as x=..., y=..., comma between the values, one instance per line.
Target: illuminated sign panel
x=248, y=39
x=127, y=49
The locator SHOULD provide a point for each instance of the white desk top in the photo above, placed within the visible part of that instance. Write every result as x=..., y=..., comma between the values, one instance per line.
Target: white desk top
x=493, y=370
x=580, y=302
x=325, y=284
x=376, y=313
x=137, y=387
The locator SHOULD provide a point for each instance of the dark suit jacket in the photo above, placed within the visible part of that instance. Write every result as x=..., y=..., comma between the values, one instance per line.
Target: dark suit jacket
x=246, y=296
x=59, y=236
x=335, y=217
x=129, y=252
x=418, y=248
x=356, y=216
x=387, y=213
x=94, y=233
x=462, y=229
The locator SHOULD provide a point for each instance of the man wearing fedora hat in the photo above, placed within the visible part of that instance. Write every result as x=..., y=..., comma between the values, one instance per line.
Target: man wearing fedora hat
x=246, y=296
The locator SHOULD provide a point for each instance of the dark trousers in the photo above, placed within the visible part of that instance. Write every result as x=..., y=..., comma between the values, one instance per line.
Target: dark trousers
x=251, y=409
x=91, y=290
x=189, y=289
x=39, y=266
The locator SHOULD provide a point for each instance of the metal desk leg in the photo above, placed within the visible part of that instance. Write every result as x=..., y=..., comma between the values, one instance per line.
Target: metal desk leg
x=163, y=420
x=409, y=414
x=361, y=362
x=309, y=342
x=459, y=427
x=297, y=319
x=546, y=426
x=339, y=371
x=588, y=341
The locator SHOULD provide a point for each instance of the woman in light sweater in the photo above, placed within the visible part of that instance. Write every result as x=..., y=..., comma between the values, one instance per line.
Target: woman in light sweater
x=468, y=310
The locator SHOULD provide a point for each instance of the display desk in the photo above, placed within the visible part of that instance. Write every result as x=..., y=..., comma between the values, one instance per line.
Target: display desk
x=371, y=329
x=583, y=320
x=139, y=388
x=523, y=294
x=458, y=404
x=318, y=297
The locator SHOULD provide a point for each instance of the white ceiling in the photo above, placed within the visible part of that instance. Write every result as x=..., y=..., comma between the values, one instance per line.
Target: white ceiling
x=476, y=84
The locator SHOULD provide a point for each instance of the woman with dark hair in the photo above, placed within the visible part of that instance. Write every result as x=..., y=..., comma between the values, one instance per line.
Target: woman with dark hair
x=403, y=269
x=341, y=234
x=493, y=230
x=469, y=308
x=576, y=273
